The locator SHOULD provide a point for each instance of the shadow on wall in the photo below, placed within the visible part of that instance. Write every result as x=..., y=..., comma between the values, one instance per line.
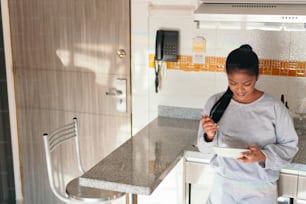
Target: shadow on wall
x=293, y=89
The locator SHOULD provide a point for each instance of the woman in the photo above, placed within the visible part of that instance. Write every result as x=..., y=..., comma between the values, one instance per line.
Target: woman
x=245, y=117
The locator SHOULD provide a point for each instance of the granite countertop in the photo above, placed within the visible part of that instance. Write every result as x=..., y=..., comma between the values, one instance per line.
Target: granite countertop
x=140, y=164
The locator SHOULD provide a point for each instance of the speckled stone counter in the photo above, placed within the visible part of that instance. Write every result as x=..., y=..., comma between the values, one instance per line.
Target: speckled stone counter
x=140, y=164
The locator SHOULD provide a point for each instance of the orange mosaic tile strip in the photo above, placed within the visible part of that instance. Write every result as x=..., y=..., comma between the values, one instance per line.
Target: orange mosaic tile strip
x=217, y=64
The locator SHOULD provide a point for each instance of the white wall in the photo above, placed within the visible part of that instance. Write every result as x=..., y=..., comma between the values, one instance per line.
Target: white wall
x=144, y=23
x=191, y=89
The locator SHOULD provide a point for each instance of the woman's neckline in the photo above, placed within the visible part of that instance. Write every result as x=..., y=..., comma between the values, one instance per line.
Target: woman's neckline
x=257, y=98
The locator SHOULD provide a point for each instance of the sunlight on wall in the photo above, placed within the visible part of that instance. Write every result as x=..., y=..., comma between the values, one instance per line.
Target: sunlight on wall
x=79, y=60
x=99, y=48
x=64, y=56
x=92, y=63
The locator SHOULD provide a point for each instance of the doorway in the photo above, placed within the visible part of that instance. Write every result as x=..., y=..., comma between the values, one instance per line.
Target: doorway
x=71, y=59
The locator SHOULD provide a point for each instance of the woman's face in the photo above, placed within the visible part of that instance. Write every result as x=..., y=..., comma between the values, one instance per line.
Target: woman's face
x=242, y=84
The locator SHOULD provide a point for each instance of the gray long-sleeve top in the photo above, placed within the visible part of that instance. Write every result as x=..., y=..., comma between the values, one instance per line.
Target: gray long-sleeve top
x=264, y=123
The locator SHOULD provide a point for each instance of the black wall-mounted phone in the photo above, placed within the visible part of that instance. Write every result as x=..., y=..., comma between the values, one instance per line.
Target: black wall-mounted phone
x=166, y=47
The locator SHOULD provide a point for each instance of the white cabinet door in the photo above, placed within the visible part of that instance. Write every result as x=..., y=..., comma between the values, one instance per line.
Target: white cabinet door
x=301, y=193
x=198, y=182
x=198, y=173
x=287, y=185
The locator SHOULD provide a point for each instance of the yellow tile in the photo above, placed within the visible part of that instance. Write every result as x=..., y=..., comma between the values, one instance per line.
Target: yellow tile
x=283, y=72
x=217, y=64
x=292, y=72
x=275, y=71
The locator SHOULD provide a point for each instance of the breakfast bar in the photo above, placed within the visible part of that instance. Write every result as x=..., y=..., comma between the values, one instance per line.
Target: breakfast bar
x=141, y=163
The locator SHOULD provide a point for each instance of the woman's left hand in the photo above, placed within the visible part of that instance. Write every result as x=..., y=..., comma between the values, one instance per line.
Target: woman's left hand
x=254, y=155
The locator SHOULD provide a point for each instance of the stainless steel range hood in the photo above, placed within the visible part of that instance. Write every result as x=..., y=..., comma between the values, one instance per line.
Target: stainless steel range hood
x=252, y=11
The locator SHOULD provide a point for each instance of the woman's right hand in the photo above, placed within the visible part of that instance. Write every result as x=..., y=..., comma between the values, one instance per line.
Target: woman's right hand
x=209, y=127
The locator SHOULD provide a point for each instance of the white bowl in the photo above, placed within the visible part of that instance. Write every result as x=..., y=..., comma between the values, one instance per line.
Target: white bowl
x=229, y=152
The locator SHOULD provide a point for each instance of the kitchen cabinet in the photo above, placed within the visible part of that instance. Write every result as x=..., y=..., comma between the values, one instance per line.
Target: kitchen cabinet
x=287, y=184
x=293, y=184
x=198, y=173
x=198, y=178
x=301, y=192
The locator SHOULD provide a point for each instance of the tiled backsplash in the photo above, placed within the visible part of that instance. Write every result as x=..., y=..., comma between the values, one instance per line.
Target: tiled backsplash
x=217, y=64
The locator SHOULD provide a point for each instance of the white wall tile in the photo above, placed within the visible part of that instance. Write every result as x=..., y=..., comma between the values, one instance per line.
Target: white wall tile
x=297, y=46
x=179, y=89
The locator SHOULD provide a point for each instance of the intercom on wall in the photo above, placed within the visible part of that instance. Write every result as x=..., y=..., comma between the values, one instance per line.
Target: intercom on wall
x=166, y=47
x=166, y=50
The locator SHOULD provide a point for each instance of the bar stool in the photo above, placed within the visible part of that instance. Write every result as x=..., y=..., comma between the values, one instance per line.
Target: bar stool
x=73, y=191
